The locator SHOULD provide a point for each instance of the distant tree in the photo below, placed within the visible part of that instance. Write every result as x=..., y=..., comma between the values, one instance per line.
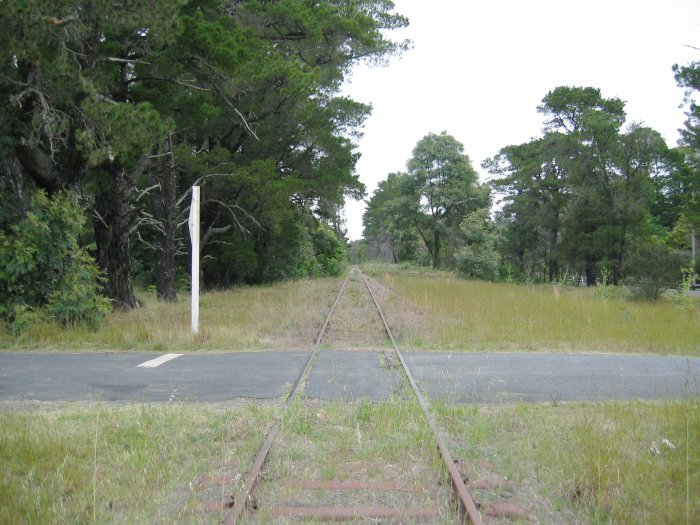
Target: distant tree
x=652, y=266
x=687, y=181
x=535, y=188
x=389, y=219
x=446, y=188
x=478, y=258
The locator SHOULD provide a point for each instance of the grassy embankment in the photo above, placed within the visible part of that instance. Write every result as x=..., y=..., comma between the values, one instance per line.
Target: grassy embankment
x=432, y=311
x=607, y=463
x=96, y=463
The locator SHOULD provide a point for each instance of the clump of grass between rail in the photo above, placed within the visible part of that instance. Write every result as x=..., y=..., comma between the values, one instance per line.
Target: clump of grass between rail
x=356, y=441
x=483, y=316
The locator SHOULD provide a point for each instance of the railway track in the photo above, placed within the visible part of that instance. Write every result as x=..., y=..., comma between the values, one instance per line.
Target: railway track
x=246, y=499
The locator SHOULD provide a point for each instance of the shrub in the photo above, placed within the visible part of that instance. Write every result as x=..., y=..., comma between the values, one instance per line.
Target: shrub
x=76, y=299
x=42, y=266
x=651, y=267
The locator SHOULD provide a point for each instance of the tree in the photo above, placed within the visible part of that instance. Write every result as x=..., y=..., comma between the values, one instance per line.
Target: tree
x=389, y=219
x=687, y=183
x=478, y=258
x=445, y=185
x=581, y=194
x=130, y=102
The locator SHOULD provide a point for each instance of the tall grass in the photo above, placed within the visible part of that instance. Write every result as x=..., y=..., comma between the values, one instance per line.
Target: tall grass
x=617, y=462
x=95, y=463
x=282, y=316
x=427, y=311
x=474, y=315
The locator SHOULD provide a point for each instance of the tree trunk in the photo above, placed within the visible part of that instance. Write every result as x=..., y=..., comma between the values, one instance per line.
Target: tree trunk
x=112, y=229
x=591, y=273
x=553, y=267
x=163, y=202
x=436, y=249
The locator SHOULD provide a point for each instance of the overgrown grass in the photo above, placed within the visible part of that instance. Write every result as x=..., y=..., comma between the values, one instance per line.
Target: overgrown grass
x=96, y=463
x=357, y=441
x=618, y=462
x=476, y=315
x=430, y=310
x=281, y=316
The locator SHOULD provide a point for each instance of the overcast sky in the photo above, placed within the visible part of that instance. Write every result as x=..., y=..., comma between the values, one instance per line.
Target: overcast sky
x=479, y=69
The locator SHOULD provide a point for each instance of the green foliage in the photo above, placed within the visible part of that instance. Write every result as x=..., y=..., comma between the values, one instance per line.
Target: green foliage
x=121, y=132
x=681, y=298
x=42, y=266
x=246, y=94
x=479, y=258
x=76, y=300
x=679, y=238
x=577, y=198
x=651, y=267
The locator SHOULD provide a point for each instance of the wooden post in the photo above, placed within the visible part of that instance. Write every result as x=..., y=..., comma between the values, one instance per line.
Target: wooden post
x=194, y=237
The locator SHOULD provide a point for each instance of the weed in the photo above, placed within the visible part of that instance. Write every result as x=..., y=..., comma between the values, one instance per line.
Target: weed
x=681, y=299
x=603, y=288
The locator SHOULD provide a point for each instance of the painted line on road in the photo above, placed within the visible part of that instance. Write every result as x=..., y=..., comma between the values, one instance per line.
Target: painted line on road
x=159, y=360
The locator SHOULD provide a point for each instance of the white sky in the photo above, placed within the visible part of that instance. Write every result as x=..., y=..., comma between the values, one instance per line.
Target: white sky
x=479, y=69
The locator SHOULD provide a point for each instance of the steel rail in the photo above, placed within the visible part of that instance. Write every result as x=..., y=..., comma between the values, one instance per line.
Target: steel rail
x=242, y=499
x=467, y=505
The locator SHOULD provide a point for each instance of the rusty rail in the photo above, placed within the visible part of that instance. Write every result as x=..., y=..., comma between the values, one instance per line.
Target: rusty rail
x=467, y=505
x=242, y=499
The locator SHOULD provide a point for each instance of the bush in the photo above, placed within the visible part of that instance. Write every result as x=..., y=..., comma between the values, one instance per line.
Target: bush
x=43, y=268
x=329, y=251
x=76, y=299
x=651, y=267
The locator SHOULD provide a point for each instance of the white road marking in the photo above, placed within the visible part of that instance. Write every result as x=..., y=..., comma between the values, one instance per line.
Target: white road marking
x=159, y=360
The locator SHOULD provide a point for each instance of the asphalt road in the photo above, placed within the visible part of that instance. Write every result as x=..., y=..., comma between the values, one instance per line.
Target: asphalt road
x=450, y=376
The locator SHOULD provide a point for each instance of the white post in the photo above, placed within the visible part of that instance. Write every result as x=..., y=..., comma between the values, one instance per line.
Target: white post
x=194, y=236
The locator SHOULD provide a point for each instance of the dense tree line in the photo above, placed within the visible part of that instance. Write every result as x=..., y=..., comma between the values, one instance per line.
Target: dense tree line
x=116, y=109
x=595, y=198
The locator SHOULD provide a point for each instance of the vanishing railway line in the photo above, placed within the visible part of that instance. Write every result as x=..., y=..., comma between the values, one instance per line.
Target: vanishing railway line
x=246, y=500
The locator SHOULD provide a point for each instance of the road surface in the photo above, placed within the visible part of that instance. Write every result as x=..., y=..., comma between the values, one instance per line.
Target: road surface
x=344, y=375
